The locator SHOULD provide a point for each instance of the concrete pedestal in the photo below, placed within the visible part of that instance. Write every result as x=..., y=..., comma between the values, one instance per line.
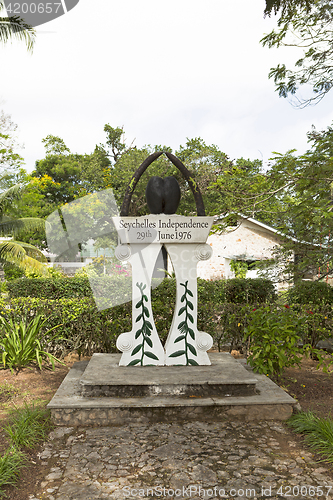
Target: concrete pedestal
x=101, y=393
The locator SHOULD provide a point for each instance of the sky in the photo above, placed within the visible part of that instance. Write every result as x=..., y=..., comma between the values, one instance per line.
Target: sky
x=164, y=71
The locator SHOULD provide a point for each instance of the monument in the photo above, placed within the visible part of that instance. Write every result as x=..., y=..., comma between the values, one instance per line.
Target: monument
x=150, y=382
x=184, y=239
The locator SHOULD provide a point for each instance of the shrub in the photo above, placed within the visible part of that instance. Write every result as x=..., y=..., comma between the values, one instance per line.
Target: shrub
x=21, y=344
x=310, y=292
x=242, y=290
x=49, y=288
x=277, y=339
x=83, y=327
x=113, y=290
x=273, y=336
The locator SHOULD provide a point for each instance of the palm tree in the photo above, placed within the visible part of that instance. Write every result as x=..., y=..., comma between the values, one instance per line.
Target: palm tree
x=15, y=27
x=23, y=255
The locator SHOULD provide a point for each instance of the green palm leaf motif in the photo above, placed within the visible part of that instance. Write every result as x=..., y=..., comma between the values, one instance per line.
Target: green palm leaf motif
x=185, y=329
x=144, y=331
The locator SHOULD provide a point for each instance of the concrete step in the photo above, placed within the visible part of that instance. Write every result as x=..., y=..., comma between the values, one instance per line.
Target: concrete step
x=103, y=377
x=177, y=401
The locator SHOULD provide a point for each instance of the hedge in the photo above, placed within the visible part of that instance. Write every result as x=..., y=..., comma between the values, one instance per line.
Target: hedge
x=311, y=292
x=236, y=290
x=87, y=330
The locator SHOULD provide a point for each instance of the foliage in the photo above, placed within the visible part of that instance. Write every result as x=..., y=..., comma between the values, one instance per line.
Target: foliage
x=316, y=323
x=10, y=160
x=318, y=432
x=10, y=464
x=286, y=7
x=303, y=217
x=277, y=339
x=13, y=252
x=118, y=288
x=12, y=272
x=239, y=268
x=243, y=188
x=308, y=25
x=84, y=329
x=21, y=344
x=242, y=290
x=28, y=426
x=14, y=27
x=273, y=337
x=310, y=292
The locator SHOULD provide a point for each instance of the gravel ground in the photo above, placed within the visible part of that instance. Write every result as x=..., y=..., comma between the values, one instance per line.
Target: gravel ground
x=189, y=460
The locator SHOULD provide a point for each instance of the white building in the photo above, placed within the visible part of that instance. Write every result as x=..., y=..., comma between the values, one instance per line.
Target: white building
x=249, y=242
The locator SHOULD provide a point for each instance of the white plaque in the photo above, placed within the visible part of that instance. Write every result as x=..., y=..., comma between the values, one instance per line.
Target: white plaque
x=163, y=229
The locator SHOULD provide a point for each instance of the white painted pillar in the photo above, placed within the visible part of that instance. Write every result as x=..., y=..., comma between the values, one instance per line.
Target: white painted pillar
x=142, y=345
x=186, y=345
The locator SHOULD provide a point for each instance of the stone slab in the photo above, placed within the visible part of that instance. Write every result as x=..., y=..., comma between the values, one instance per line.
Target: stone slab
x=69, y=407
x=103, y=377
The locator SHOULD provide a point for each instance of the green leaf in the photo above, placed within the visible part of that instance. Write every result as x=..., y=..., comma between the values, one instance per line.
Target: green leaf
x=146, y=312
x=190, y=317
x=151, y=355
x=183, y=298
x=148, y=340
x=181, y=310
x=192, y=349
x=192, y=362
x=176, y=354
x=136, y=349
x=190, y=305
x=191, y=332
x=190, y=293
x=137, y=334
x=139, y=304
x=178, y=339
x=138, y=318
x=149, y=325
x=134, y=362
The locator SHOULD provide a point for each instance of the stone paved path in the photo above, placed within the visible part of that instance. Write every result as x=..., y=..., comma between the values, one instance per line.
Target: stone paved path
x=260, y=460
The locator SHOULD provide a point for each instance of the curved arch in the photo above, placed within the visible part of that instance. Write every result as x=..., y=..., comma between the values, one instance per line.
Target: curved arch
x=144, y=165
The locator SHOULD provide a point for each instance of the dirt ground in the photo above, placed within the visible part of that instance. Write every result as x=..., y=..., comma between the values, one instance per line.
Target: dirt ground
x=312, y=388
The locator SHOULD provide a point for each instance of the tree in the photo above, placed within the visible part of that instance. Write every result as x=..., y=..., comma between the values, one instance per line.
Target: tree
x=11, y=169
x=299, y=192
x=286, y=7
x=308, y=25
x=205, y=162
x=20, y=254
x=14, y=27
x=58, y=179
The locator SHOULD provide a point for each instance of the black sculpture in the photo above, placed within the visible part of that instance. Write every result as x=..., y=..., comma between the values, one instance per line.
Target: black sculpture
x=163, y=195
x=187, y=175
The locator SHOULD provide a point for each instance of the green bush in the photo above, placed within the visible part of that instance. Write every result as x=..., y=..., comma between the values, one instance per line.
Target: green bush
x=273, y=335
x=243, y=290
x=49, y=288
x=118, y=288
x=235, y=290
x=83, y=328
x=277, y=338
x=21, y=343
x=310, y=292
